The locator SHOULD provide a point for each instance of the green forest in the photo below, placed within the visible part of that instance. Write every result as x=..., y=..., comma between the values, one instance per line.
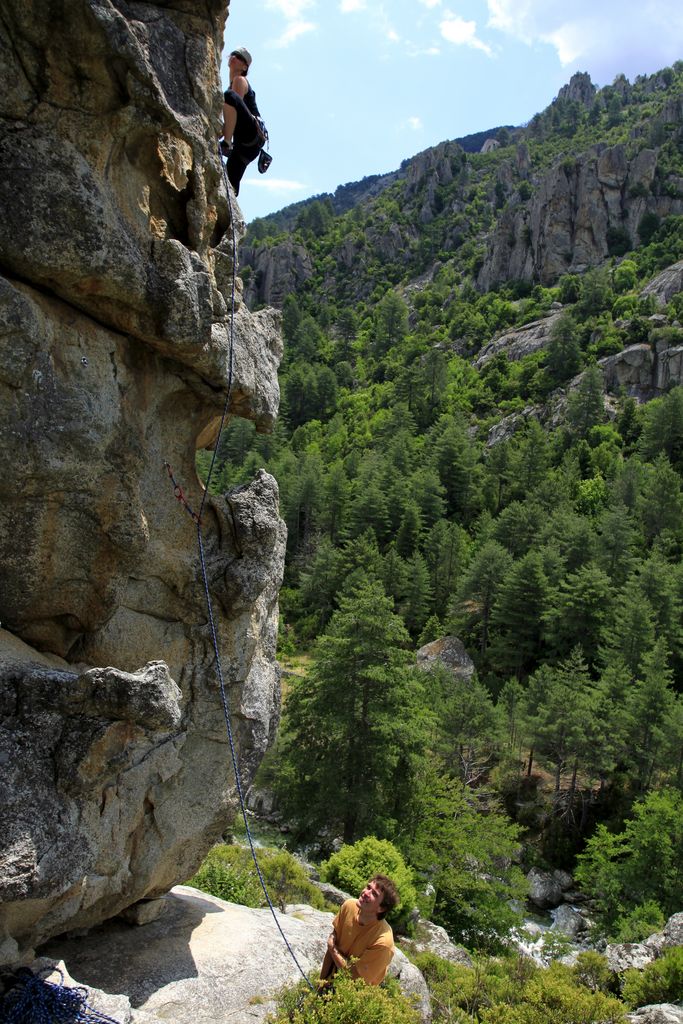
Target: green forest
x=511, y=501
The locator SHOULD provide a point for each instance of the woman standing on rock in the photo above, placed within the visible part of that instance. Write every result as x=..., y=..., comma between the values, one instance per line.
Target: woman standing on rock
x=242, y=135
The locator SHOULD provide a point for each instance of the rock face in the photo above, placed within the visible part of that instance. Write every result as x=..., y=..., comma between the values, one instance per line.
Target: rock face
x=657, y=1013
x=432, y=938
x=623, y=955
x=519, y=343
x=579, y=89
x=275, y=272
x=580, y=207
x=665, y=285
x=450, y=652
x=545, y=889
x=115, y=358
x=208, y=960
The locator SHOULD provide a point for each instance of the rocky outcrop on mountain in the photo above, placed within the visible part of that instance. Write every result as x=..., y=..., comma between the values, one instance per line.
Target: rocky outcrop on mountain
x=206, y=959
x=448, y=652
x=436, y=163
x=115, y=289
x=665, y=285
x=579, y=89
x=645, y=370
x=274, y=272
x=579, y=209
x=520, y=342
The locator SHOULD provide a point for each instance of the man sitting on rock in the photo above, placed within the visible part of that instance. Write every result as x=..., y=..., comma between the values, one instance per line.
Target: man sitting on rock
x=360, y=937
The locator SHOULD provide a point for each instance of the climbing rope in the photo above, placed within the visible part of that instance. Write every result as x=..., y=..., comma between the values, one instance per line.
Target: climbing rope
x=197, y=519
x=33, y=1000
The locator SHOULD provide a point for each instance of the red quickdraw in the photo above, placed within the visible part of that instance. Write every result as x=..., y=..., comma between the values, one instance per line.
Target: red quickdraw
x=179, y=494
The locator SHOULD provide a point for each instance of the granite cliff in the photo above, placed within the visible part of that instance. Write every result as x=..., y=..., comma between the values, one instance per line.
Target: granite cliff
x=115, y=293
x=581, y=207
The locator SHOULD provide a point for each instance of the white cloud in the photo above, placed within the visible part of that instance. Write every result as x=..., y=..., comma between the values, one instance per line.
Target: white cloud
x=430, y=3
x=275, y=184
x=604, y=38
x=415, y=123
x=292, y=32
x=462, y=33
x=393, y=36
x=290, y=9
x=429, y=51
x=347, y=6
x=296, y=25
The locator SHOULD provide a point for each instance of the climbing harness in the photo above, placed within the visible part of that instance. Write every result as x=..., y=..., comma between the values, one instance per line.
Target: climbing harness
x=197, y=519
x=33, y=1000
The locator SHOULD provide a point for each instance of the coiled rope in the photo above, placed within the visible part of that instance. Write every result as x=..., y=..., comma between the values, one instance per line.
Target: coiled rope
x=33, y=1000
x=197, y=519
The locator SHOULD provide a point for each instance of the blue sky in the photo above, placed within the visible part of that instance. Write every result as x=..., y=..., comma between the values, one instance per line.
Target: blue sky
x=353, y=87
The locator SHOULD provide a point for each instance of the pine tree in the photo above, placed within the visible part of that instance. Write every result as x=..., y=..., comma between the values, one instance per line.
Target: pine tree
x=337, y=494
x=418, y=595
x=355, y=726
x=455, y=458
x=579, y=611
x=630, y=633
x=661, y=500
x=586, y=406
x=650, y=705
x=445, y=551
x=616, y=551
x=559, y=709
x=663, y=429
x=518, y=617
x=564, y=355
x=391, y=322
x=478, y=592
x=410, y=530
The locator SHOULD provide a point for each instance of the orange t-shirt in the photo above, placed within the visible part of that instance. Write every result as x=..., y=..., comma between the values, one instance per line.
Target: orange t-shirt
x=372, y=945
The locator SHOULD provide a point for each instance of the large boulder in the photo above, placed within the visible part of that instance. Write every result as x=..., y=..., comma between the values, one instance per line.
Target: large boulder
x=657, y=1013
x=545, y=889
x=671, y=935
x=569, y=921
x=520, y=342
x=621, y=956
x=449, y=652
x=624, y=955
x=206, y=959
x=116, y=352
x=665, y=285
x=432, y=938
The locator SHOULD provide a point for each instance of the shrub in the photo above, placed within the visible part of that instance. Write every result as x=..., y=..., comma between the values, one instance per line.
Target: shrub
x=229, y=873
x=515, y=990
x=593, y=971
x=350, y=1001
x=642, y=921
x=618, y=241
x=625, y=276
x=225, y=875
x=552, y=996
x=354, y=865
x=660, y=982
x=649, y=223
